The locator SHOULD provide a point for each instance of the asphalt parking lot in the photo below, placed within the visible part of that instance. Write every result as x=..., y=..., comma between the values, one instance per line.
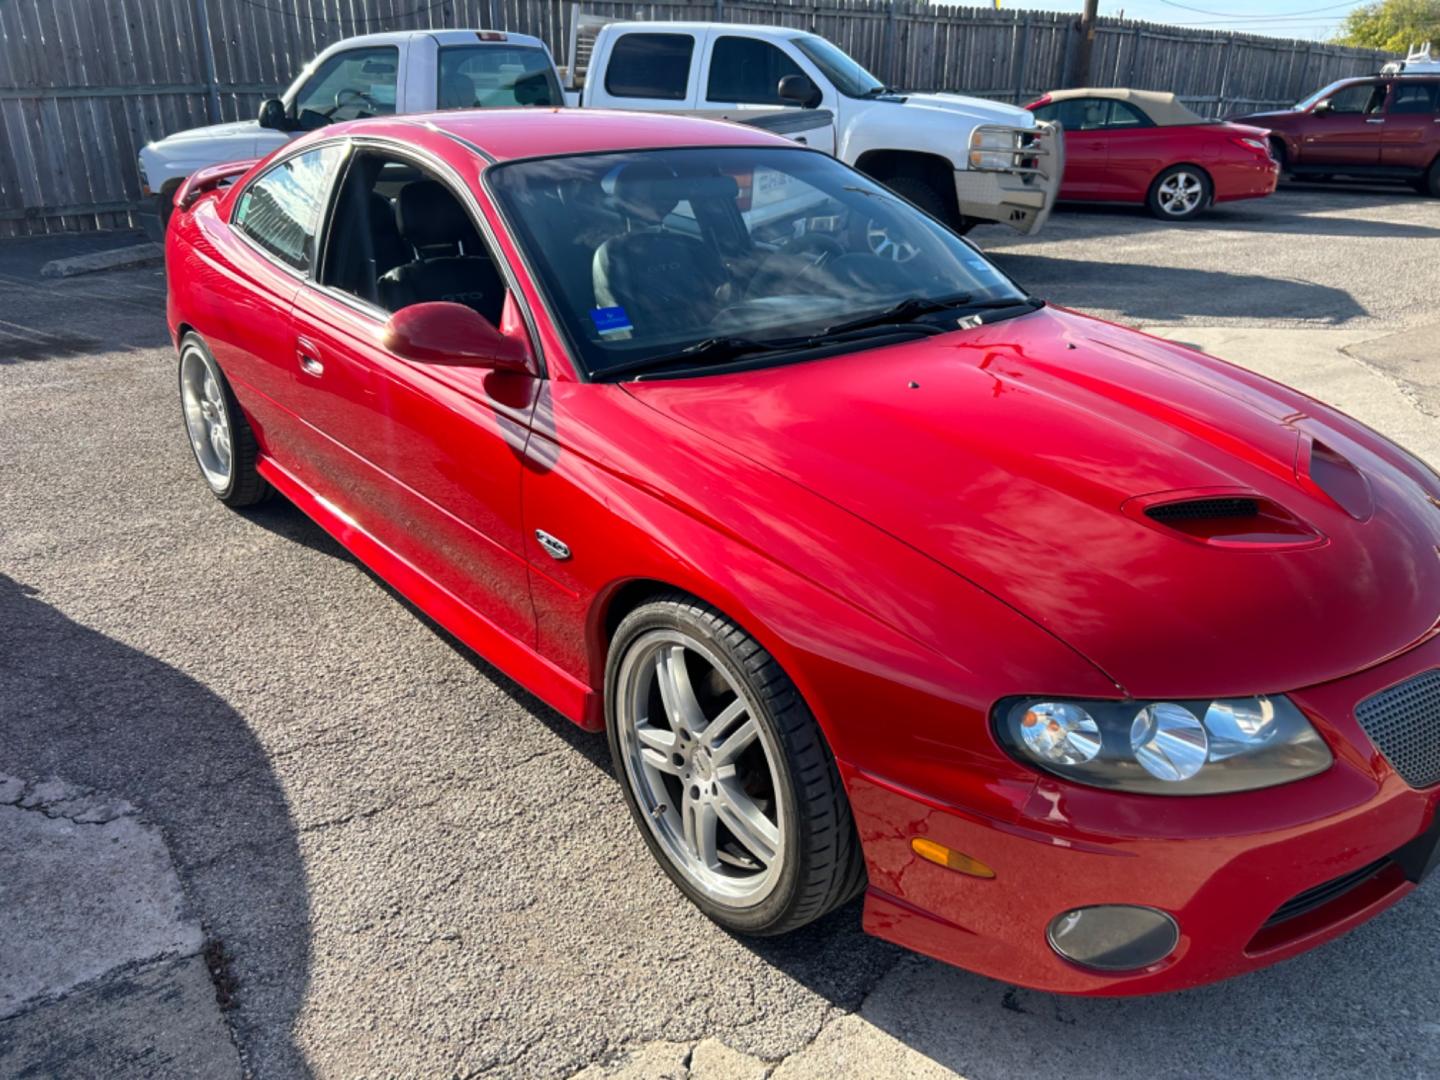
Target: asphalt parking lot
x=354, y=849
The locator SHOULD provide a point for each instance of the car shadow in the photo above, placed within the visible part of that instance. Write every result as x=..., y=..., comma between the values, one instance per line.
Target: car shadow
x=1130, y=289
x=78, y=705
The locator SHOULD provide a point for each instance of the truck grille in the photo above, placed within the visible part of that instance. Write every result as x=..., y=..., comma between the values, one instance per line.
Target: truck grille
x=1404, y=724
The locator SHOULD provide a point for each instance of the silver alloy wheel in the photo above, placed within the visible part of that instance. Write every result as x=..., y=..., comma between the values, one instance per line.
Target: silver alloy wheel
x=702, y=768
x=881, y=243
x=206, y=418
x=1180, y=193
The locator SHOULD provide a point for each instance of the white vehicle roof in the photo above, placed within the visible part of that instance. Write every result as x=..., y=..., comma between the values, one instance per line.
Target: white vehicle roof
x=443, y=37
x=1420, y=61
x=743, y=29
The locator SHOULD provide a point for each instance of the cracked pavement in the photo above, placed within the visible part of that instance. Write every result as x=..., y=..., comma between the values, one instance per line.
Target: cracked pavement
x=414, y=868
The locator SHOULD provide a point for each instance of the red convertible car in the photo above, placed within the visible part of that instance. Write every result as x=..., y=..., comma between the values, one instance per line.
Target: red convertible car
x=1139, y=146
x=1062, y=644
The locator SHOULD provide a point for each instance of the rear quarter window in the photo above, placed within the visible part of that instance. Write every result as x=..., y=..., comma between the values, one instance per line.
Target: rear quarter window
x=650, y=66
x=280, y=209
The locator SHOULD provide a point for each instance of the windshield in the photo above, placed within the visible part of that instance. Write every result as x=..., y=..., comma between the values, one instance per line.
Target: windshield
x=1318, y=95
x=647, y=255
x=836, y=64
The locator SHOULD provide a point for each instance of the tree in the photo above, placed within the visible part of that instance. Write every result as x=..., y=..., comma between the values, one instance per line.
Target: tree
x=1393, y=25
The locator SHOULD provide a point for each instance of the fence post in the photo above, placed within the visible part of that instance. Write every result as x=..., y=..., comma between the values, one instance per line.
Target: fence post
x=1224, y=77
x=207, y=54
x=1134, y=57
x=890, y=43
x=1023, y=59
x=719, y=10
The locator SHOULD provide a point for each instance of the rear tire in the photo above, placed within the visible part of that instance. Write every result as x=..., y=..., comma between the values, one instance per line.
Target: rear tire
x=1180, y=193
x=224, y=446
x=726, y=772
x=1431, y=184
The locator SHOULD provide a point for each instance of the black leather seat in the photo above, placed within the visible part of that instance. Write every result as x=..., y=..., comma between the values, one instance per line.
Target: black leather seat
x=663, y=279
x=388, y=247
x=450, y=262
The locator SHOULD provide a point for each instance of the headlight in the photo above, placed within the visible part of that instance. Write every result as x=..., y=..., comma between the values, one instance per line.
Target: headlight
x=1165, y=747
x=993, y=148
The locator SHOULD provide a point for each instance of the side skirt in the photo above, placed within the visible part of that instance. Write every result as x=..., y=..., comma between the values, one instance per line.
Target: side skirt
x=563, y=692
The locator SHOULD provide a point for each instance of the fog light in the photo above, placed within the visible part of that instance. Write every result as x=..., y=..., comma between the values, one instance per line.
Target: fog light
x=1113, y=937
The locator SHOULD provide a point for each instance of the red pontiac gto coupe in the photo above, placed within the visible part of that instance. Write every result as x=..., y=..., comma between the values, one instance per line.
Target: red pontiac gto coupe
x=1097, y=664
x=1140, y=146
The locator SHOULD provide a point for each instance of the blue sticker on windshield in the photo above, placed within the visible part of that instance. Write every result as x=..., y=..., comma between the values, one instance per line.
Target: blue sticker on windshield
x=610, y=320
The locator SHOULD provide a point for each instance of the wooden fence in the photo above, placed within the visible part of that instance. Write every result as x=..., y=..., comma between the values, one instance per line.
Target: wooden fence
x=85, y=83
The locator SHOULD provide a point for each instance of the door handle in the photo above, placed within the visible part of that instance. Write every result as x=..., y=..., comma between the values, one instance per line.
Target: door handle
x=308, y=355
x=802, y=140
x=1374, y=120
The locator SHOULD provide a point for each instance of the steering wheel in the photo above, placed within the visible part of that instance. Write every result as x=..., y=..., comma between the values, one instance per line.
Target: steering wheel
x=346, y=94
x=801, y=260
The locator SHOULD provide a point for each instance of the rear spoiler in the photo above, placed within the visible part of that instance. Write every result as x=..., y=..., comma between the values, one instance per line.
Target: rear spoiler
x=208, y=179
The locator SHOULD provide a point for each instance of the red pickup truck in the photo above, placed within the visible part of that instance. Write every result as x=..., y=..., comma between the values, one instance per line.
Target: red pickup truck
x=1379, y=127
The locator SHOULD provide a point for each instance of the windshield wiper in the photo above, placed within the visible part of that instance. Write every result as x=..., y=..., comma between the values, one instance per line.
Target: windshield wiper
x=910, y=308
x=717, y=349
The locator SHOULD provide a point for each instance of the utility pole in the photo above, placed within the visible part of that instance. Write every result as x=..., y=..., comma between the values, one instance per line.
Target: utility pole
x=1080, y=73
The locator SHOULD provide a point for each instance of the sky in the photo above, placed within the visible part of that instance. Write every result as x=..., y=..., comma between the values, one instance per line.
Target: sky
x=1312, y=20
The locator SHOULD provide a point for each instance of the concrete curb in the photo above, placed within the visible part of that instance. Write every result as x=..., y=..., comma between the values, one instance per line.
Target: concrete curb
x=97, y=261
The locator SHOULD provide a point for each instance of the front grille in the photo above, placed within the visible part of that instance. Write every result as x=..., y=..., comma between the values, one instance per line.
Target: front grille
x=1322, y=894
x=1199, y=509
x=1404, y=724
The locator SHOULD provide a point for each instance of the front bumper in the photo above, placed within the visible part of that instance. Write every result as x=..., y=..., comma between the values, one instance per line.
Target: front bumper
x=1250, y=878
x=1023, y=197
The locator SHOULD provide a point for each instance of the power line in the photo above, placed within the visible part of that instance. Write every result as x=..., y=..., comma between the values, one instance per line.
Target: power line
x=1282, y=14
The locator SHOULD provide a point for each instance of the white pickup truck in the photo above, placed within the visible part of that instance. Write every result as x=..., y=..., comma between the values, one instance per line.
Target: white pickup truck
x=965, y=160
x=406, y=71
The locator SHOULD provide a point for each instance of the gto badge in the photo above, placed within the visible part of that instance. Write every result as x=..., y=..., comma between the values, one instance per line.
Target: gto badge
x=554, y=546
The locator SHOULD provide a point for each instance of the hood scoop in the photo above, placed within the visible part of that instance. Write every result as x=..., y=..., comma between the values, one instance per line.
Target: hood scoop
x=1228, y=519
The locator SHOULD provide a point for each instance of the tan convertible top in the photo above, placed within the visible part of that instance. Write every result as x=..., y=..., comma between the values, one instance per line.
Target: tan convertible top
x=1164, y=109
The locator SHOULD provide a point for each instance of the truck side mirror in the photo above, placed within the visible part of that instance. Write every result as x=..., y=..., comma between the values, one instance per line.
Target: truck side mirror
x=272, y=115
x=800, y=90
x=1323, y=107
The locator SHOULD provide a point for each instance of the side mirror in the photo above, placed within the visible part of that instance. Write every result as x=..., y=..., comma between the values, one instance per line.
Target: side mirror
x=444, y=333
x=800, y=90
x=272, y=115
x=1323, y=107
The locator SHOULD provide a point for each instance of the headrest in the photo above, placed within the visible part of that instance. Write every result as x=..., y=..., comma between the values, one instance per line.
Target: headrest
x=382, y=215
x=430, y=216
x=647, y=190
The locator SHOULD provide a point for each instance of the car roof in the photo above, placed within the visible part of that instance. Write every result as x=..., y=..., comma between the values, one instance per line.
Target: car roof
x=443, y=37
x=742, y=29
x=527, y=131
x=1164, y=109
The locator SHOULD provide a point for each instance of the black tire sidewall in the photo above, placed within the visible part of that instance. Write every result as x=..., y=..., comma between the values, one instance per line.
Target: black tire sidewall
x=196, y=342
x=676, y=615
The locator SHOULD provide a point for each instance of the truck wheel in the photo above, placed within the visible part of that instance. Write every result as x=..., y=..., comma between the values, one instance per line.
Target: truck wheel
x=1431, y=184
x=1281, y=156
x=725, y=770
x=1179, y=193
x=165, y=206
x=924, y=194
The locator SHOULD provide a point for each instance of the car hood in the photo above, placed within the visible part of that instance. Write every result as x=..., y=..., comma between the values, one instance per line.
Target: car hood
x=218, y=142
x=977, y=110
x=1006, y=453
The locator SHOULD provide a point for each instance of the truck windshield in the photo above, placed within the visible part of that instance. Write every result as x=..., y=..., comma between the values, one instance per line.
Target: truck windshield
x=688, y=257
x=839, y=67
x=494, y=76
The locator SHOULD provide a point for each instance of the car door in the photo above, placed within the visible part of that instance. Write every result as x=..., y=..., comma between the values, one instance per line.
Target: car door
x=1346, y=128
x=423, y=457
x=1412, y=125
x=270, y=248
x=1086, y=146
x=740, y=79
x=1137, y=150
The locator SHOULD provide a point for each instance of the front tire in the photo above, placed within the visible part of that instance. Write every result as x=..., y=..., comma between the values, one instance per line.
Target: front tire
x=1180, y=193
x=224, y=446
x=726, y=772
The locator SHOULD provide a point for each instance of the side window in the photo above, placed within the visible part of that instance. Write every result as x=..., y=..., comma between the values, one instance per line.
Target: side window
x=1125, y=115
x=650, y=66
x=1414, y=98
x=352, y=84
x=401, y=236
x=1048, y=112
x=1360, y=98
x=493, y=76
x=281, y=208
x=748, y=71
